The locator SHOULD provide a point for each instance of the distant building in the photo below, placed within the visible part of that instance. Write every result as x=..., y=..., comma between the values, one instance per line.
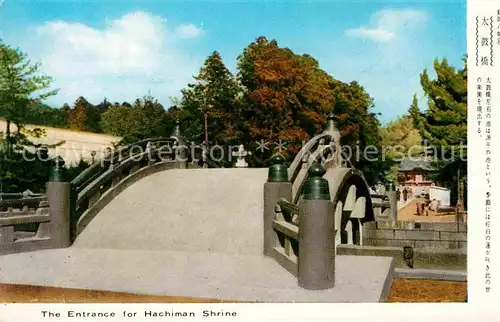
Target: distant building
x=415, y=171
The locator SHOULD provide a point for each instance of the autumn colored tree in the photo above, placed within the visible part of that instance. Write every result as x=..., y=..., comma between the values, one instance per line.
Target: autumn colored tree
x=288, y=96
x=360, y=130
x=443, y=124
x=285, y=96
x=78, y=116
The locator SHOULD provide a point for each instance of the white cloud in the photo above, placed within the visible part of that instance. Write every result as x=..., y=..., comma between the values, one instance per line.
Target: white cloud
x=388, y=23
x=126, y=59
x=188, y=31
x=376, y=34
x=389, y=66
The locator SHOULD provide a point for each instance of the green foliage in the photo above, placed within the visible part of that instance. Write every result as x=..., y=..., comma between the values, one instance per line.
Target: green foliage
x=213, y=94
x=20, y=84
x=400, y=139
x=73, y=170
x=444, y=123
x=144, y=119
x=21, y=90
x=43, y=115
x=21, y=170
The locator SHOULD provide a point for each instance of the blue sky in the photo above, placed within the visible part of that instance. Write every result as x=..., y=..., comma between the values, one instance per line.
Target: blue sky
x=124, y=49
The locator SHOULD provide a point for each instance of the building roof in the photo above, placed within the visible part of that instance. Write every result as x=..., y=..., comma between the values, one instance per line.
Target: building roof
x=409, y=164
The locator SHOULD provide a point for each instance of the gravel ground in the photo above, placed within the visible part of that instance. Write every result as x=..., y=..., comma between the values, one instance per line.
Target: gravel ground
x=403, y=290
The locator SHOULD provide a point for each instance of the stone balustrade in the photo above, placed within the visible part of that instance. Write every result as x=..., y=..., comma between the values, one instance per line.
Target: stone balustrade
x=300, y=236
x=36, y=222
x=54, y=220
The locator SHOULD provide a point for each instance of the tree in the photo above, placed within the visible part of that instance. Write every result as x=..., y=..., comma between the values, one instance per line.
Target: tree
x=119, y=120
x=287, y=97
x=21, y=84
x=152, y=117
x=360, y=130
x=144, y=119
x=444, y=123
x=400, y=139
x=211, y=99
x=42, y=114
x=22, y=88
x=78, y=117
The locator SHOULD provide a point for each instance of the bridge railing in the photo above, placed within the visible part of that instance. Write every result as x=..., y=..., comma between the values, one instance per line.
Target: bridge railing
x=112, y=158
x=97, y=185
x=34, y=222
x=300, y=236
x=324, y=148
x=285, y=225
x=20, y=195
x=90, y=187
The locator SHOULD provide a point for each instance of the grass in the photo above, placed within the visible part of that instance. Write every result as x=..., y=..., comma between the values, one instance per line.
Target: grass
x=403, y=290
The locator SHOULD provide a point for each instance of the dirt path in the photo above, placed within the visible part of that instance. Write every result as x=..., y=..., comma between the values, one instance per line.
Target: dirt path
x=410, y=213
x=405, y=290
x=402, y=290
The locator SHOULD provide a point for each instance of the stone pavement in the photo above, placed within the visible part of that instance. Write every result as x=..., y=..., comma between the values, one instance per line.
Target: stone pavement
x=190, y=233
x=200, y=275
x=195, y=210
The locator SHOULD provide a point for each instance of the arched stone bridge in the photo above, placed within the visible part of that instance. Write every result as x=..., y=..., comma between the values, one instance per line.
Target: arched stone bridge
x=155, y=218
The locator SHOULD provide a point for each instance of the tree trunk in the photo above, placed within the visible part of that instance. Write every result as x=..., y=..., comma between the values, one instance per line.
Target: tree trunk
x=7, y=132
x=8, y=137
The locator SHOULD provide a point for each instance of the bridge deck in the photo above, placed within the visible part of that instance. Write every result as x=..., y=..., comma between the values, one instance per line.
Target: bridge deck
x=214, y=210
x=189, y=233
x=200, y=275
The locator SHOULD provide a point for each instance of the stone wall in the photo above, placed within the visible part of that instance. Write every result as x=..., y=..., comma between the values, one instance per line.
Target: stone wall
x=77, y=144
x=421, y=235
x=454, y=259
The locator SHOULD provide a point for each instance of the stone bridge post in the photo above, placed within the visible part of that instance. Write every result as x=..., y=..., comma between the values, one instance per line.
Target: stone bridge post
x=58, y=194
x=277, y=186
x=391, y=193
x=181, y=151
x=316, y=260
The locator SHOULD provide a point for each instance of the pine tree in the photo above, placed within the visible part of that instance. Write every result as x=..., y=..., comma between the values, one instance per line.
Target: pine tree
x=21, y=84
x=443, y=125
x=22, y=88
x=212, y=95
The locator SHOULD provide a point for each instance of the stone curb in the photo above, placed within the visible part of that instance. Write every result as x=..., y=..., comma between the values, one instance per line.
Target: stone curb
x=431, y=274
